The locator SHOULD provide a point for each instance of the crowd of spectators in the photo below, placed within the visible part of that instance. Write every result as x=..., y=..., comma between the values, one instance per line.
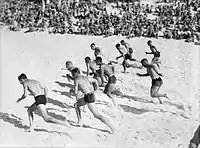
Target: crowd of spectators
x=171, y=19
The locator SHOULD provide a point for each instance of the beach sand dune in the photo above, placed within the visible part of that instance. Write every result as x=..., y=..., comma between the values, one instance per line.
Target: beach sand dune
x=141, y=124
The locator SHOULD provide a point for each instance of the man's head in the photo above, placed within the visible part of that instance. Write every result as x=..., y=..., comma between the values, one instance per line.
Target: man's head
x=87, y=59
x=149, y=42
x=22, y=77
x=75, y=72
x=92, y=46
x=98, y=60
x=68, y=65
x=122, y=42
x=144, y=62
x=117, y=46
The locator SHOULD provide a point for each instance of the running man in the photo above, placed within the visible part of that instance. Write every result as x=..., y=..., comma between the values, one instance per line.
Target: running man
x=128, y=62
x=121, y=50
x=155, y=74
x=127, y=46
x=39, y=91
x=69, y=65
x=109, y=71
x=84, y=84
x=91, y=65
x=98, y=53
x=152, y=47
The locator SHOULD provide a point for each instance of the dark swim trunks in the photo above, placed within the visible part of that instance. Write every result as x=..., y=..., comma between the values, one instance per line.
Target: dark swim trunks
x=157, y=82
x=89, y=98
x=41, y=99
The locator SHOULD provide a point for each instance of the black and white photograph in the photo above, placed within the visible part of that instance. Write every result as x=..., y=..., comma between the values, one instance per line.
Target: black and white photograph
x=100, y=73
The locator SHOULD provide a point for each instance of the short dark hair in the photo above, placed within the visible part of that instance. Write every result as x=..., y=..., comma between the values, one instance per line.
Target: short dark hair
x=149, y=41
x=122, y=41
x=87, y=59
x=75, y=70
x=22, y=76
x=68, y=62
x=92, y=44
x=144, y=59
x=117, y=45
x=157, y=54
x=98, y=59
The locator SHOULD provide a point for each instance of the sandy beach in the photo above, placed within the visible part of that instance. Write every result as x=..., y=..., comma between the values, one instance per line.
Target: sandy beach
x=141, y=124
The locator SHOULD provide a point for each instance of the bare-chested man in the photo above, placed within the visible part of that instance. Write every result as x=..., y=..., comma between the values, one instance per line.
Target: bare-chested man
x=121, y=50
x=127, y=46
x=128, y=62
x=109, y=71
x=155, y=74
x=152, y=47
x=39, y=91
x=85, y=84
x=91, y=65
x=69, y=65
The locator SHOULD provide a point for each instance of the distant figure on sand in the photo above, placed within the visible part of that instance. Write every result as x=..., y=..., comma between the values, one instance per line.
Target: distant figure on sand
x=130, y=62
x=127, y=46
x=152, y=47
x=109, y=71
x=91, y=65
x=39, y=91
x=155, y=74
x=69, y=65
x=98, y=53
x=87, y=85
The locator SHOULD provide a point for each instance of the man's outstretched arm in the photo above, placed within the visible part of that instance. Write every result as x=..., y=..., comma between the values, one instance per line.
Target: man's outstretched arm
x=25, y=87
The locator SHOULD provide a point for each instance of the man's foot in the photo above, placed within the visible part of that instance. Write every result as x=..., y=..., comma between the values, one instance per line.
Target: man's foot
x=29, y=130
x=165, y=95
x=80, y=123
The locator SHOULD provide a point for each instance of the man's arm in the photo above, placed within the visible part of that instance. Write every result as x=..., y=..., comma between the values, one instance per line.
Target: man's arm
x=142, y=75
x=102, y=74
x=149, y=52
x=25, y=87
x=69, y=77
x=113, y=69
x=119, y=57
x=95, y=83
x=88, y=70
x=76, y=88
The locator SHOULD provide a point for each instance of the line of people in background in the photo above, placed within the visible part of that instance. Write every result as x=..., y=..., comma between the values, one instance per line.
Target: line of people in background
x=175, y=20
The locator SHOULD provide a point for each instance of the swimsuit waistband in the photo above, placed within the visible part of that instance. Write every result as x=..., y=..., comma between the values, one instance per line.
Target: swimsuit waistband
x=39, y=96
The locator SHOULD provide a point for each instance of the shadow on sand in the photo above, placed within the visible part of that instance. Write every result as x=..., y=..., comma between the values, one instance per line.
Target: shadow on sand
x=134, y=98
x=60, y=104
x=16, y=121
x=64, y=93
x=64, y=84
x=87, y=126
x=12, y=119
x=133, y=110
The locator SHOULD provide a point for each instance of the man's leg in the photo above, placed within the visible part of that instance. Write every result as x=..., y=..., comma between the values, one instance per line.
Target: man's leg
x=77, y=106
x=30, y=111
x=155, y=94
x=103, y=119
x=42, y=109
x=108, y=90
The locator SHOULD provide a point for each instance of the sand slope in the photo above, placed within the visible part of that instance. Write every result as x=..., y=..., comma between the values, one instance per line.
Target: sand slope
x=141, y=124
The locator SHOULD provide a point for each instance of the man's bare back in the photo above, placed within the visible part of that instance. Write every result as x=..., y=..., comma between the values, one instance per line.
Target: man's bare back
x=34, y=87
x=84, y=84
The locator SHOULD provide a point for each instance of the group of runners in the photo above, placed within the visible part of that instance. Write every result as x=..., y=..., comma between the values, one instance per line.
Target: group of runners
x=100, y=73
